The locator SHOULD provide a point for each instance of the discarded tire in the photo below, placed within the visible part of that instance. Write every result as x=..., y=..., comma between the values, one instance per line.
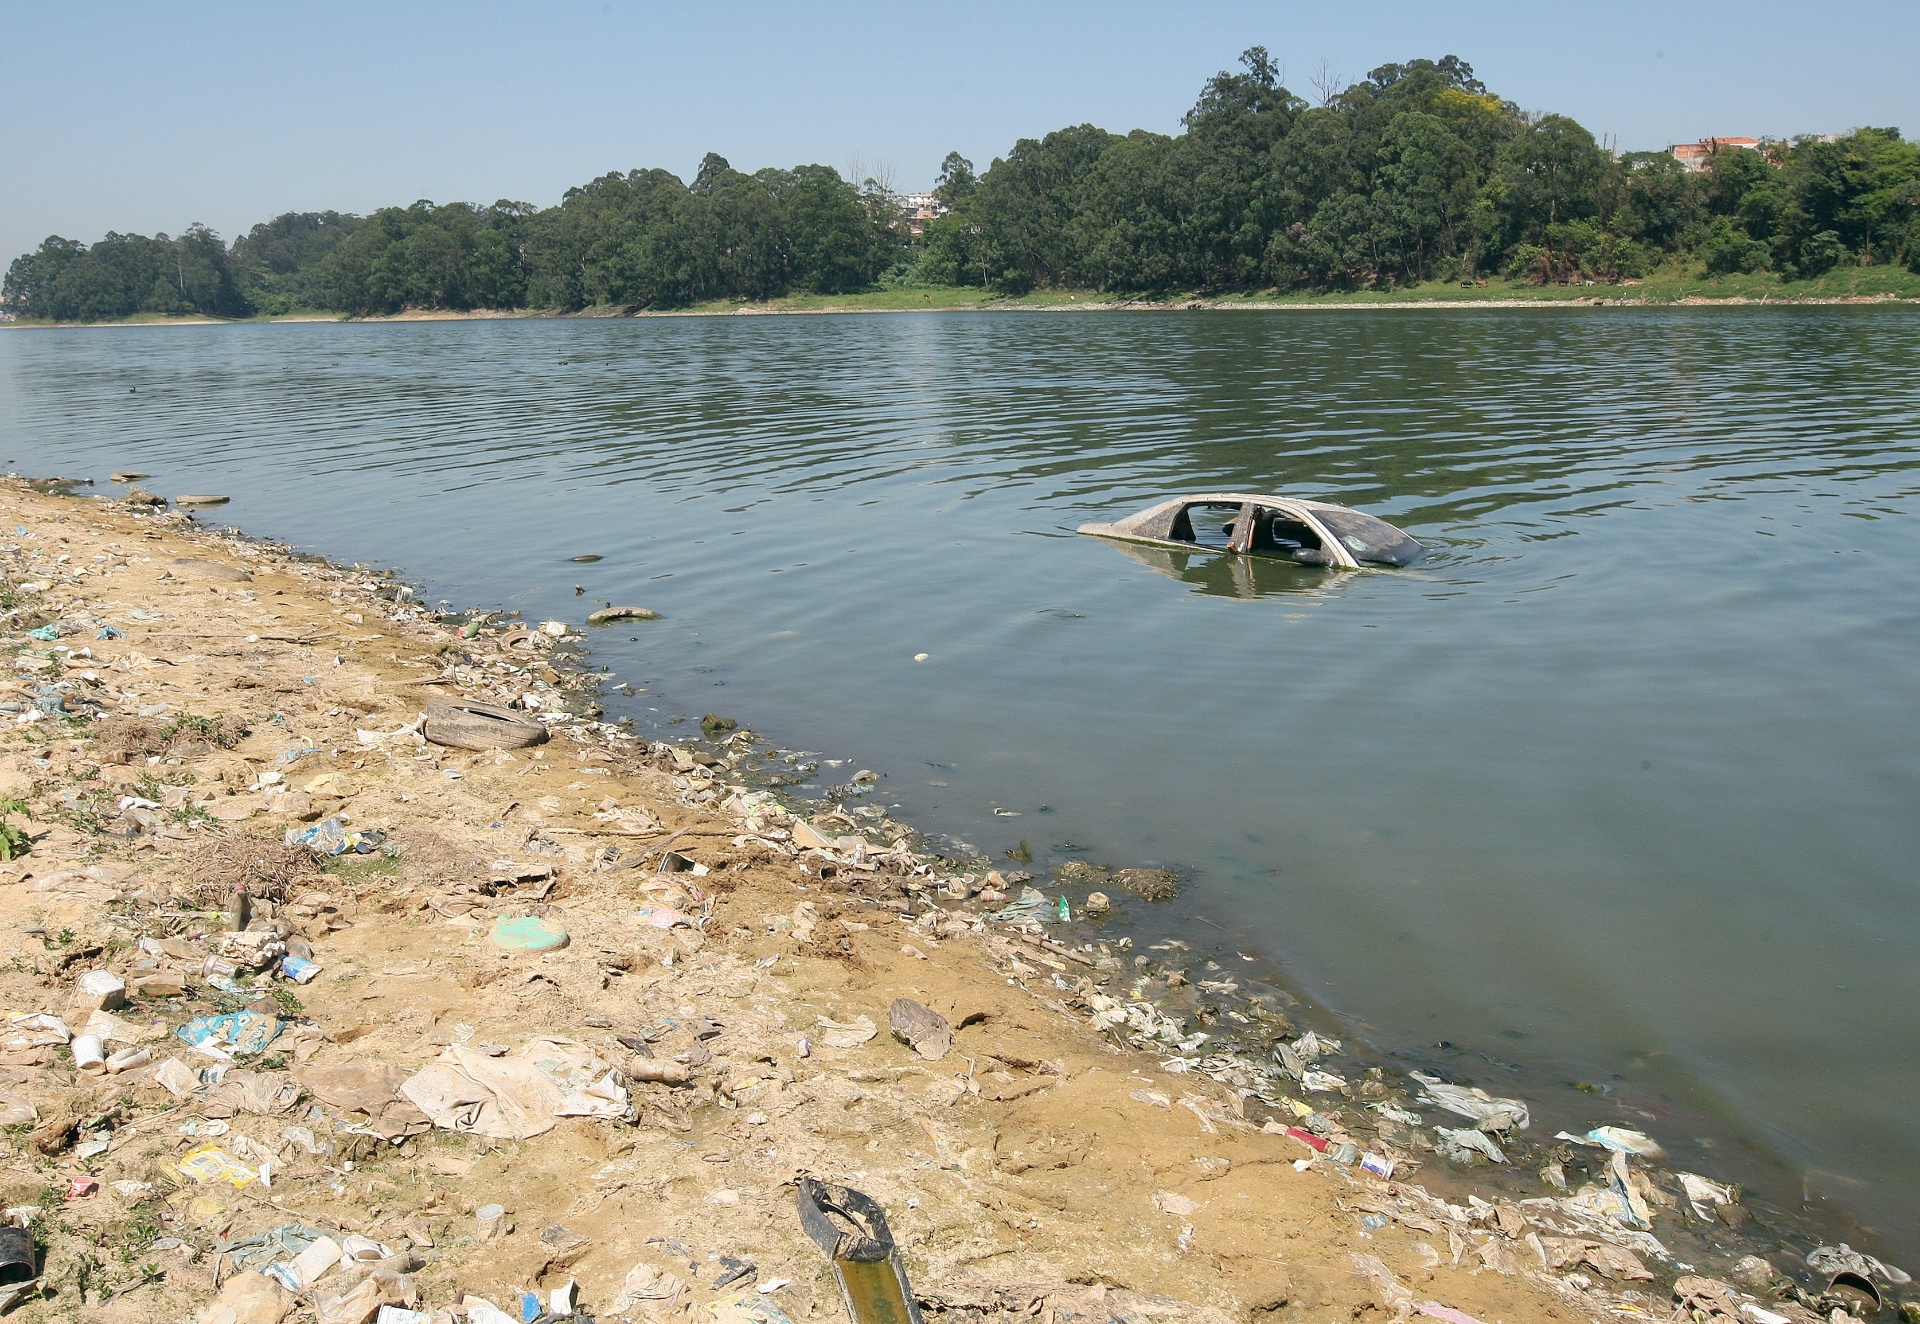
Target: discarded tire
x=466, y=724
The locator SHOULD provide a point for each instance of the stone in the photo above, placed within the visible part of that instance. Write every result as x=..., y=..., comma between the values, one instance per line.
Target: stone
x=248, y=1298
x=292, y=804
x=925, y=1032
x=159, y=986
x=608, y=615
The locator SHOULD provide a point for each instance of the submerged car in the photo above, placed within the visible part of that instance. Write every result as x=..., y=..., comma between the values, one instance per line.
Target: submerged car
x=1284, y=528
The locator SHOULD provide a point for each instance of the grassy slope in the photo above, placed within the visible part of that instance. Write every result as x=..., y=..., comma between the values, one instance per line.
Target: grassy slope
x=1841, y=283
x=1878, y=282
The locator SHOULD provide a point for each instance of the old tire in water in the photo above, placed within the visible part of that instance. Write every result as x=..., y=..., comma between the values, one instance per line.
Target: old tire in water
x=468, y=724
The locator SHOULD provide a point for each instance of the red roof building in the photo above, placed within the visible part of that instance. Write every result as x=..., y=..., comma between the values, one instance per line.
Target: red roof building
x=1695, y=156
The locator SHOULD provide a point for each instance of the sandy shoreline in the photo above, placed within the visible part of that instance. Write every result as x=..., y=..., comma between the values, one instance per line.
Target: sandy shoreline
x=1088, y=306
x=1044, y=1165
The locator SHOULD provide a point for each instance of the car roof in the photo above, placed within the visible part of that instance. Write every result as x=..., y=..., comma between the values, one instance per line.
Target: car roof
x=1242, y=498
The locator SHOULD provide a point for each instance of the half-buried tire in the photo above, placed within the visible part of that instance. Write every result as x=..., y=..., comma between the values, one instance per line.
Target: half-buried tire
x=467, y=724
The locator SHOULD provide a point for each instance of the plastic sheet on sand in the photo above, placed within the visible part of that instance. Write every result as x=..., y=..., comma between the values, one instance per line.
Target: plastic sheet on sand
x=517, y=1096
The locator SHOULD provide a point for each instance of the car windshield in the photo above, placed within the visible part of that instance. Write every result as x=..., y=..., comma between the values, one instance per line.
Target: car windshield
x=1370, y=539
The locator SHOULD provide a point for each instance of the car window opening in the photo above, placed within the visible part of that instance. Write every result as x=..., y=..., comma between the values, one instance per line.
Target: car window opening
x=1205, y=525
x=1283, y=535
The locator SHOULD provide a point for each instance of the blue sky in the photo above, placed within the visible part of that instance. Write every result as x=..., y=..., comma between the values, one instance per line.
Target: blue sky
x=148, y=117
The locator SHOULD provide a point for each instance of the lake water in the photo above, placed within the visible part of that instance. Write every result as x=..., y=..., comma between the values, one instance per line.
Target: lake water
x=1617, y=788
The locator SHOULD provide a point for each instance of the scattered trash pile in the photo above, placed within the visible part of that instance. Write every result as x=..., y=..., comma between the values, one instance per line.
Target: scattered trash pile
x=1588, y=1245
x=648, y=988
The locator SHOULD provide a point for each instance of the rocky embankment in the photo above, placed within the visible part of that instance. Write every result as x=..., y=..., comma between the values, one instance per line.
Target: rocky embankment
x=311, y=1016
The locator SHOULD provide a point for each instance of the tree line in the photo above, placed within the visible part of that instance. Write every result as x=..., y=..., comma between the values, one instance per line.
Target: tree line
x=1416, y=172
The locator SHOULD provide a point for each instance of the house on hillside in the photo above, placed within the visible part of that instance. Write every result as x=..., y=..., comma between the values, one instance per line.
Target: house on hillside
x=916, y=209
x=1695, y=156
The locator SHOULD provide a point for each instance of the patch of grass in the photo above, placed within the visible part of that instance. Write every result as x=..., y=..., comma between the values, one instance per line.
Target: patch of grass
x=93, y=810
x=14, y=840
x=363, y=868
x=128, y=738
x=1669, y=285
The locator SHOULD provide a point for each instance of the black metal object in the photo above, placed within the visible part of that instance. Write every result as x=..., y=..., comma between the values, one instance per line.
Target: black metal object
x=852, y=1229
x=16, y=1255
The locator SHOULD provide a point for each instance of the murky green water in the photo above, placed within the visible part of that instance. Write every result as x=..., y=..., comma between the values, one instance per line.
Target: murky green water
x=1618, y=787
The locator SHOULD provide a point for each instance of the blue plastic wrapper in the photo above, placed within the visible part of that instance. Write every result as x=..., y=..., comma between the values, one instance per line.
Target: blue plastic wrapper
x=46, y=634
x=242, y=1033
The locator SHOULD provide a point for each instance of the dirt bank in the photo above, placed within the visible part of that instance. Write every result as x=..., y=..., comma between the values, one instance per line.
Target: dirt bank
x=640, y=1100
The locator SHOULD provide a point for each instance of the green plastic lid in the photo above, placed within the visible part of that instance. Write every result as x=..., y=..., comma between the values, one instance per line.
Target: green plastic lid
x=528, y=935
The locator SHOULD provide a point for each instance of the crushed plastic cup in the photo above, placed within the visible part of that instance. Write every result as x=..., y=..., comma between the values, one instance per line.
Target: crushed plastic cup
x=363, y=1250
x=89, y=1054
x=35, y=1030
x=129, y=1059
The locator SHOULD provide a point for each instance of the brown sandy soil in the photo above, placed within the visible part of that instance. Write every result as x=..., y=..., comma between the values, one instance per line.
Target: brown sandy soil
x=1037, y=1169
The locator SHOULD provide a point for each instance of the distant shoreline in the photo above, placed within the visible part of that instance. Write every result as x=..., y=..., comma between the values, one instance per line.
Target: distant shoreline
x=972, y=300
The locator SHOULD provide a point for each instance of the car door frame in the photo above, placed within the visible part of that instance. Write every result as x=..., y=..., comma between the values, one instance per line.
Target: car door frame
x=1337, y=550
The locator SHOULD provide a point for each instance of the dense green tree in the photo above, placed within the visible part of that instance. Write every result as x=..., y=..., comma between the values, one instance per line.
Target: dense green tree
x=956, y=181
x=1128, y=226
x=1654, y=200
x=1416, y=171
x=1025, y=204
x=125, y=274
x=270, y=260
x=1423, y=190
